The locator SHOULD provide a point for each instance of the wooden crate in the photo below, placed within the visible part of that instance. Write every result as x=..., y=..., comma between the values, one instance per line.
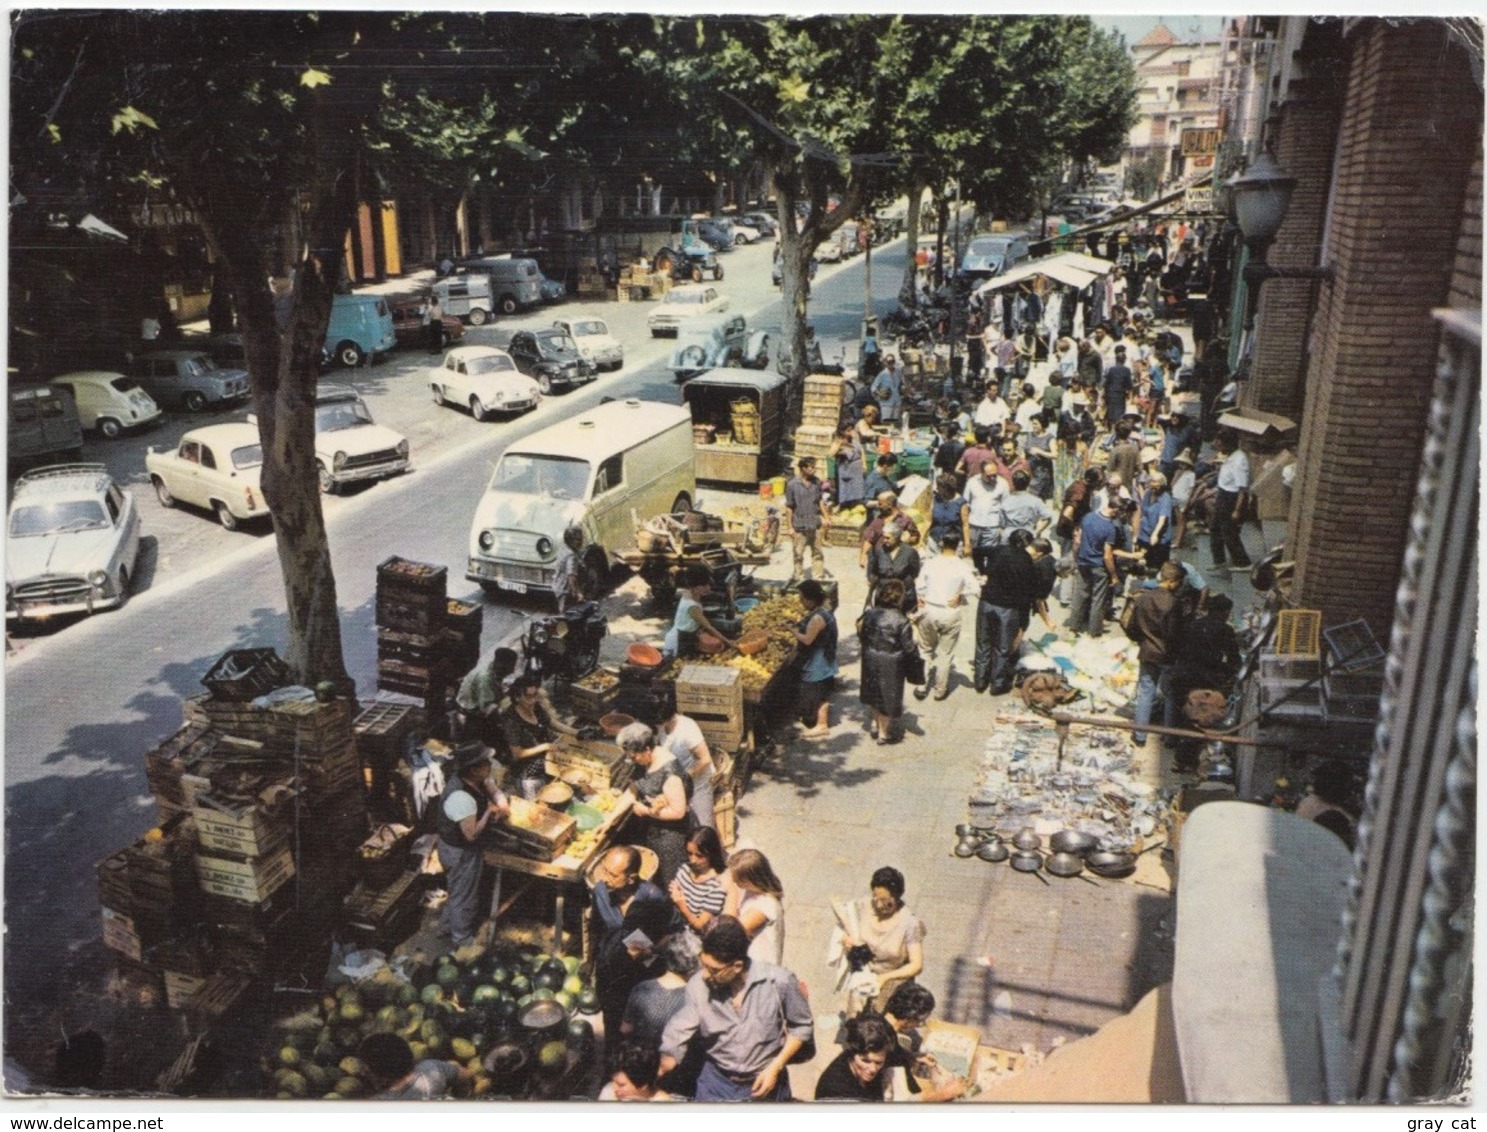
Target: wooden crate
x=1298, y=632
x=181, y=989
x=119, y=935
x=402, y=574
x=844, y=535
x=216, y=997
x=244, y=831
x=725, y=817
x=594, y=703
x=711, y=690
x=249, y=882
x=721, y=733
x=604, y=763
x=534, y=831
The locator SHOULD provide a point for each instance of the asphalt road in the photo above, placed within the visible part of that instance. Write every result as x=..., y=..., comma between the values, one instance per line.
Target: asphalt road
x=85, y=701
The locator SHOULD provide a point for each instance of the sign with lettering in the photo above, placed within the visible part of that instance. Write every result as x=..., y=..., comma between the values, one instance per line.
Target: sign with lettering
x=1195, y=143
x=1198, y=199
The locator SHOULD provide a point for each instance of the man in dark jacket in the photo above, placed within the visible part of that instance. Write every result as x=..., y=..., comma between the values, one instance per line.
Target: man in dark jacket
x=1156, y=626
x=1008, y=593
x=1118, y=381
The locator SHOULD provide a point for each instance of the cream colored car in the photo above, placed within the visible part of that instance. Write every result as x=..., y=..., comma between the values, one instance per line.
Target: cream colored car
x=215, y=468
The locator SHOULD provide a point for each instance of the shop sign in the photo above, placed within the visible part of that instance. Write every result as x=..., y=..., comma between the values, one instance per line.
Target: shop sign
x=1198, y=199
x=1196, y=143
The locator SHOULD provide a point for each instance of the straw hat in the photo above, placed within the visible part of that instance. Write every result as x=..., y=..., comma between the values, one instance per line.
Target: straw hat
x=1185, y=457
x=1149, y=453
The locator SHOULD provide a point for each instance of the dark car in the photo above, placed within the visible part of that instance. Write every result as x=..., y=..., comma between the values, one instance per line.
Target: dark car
x=718, y=238
x=407, y=324
x=767, y=224
x=188, y=379
x=551, y=357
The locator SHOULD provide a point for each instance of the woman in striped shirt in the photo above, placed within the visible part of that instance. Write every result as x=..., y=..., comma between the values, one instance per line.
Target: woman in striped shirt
x=697, y=889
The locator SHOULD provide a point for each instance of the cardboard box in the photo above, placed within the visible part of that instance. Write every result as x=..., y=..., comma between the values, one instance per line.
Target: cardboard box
x=1265, y=428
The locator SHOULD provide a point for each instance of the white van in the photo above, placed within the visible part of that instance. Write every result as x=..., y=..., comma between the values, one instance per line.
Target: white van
x=619, y=461
x=515, y=281
x=466, y=297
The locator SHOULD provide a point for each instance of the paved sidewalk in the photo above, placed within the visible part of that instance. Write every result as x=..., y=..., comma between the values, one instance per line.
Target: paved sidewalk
x=1031, y=964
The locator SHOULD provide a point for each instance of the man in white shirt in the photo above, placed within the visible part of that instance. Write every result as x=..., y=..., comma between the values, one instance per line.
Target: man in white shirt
x=991, y=411
x=1228, y=508
x=945, y=586
x=984, y=494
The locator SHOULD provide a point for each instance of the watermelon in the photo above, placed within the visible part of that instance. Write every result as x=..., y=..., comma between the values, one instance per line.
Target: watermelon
x=553, y=1057
x=572, y=964
x=547, y=980
x=432, y=994
x=520, y=985
x=580, y=1033
x=485, y=993
x=555, y=969
x=588, y=1001
x=448, y=975
x=500, y=975
x=573, y=985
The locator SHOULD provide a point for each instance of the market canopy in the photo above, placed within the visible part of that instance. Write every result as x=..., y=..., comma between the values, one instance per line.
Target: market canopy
x=1073, y=269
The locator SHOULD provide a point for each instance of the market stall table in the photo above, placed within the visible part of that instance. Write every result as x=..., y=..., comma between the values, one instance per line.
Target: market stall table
x=562, y=871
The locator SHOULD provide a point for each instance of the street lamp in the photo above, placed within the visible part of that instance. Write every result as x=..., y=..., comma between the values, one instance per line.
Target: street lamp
x=1261, y=195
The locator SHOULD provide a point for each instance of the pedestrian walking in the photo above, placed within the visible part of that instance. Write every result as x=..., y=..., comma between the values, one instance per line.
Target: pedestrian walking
x=1154, y=527
x=983, y=495
x=892, y=559
x=751, y=1017
x=808, y=519
x=1008, y=593
x=887, y=640
x=945, y=586
x=1095, y=571
x=851, y=467
x=1156, y=627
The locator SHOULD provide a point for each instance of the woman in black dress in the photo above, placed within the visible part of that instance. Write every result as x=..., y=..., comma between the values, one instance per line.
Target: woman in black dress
x=858, y=1072
x=887, y=640
x=530, y=734
x=891, y=558
x=661, y=799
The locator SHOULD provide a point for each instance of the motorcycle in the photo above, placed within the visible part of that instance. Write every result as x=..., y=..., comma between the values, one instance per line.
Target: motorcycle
x=564, y=646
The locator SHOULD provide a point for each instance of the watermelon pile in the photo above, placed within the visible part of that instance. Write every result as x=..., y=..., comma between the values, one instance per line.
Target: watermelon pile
x=466, y=1012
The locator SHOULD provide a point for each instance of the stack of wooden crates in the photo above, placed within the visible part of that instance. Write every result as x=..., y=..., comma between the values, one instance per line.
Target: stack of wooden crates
x=820, y=412
x=713, y=696
x=425, y=641
x=261, y=809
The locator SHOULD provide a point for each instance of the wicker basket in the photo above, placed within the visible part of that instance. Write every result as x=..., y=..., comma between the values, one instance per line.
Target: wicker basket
x=744, y=415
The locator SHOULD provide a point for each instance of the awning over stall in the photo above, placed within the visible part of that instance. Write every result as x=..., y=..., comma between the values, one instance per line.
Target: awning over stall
x=1072, y=269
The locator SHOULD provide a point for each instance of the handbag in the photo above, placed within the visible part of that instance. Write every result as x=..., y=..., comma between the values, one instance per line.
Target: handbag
x=914, y=667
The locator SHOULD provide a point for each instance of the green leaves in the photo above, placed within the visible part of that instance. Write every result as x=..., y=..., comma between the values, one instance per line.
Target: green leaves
x=131, y=119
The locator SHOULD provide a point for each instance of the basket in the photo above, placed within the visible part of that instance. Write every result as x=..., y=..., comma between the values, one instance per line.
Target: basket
x=752, y=642
x=246, y=674
x=744, y=416
x=643, y=655
x=615, y=722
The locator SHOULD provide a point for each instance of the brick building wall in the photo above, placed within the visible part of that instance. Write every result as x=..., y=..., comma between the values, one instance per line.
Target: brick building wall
x=1466, y=279
x=1411, y=136
x=1305, y=148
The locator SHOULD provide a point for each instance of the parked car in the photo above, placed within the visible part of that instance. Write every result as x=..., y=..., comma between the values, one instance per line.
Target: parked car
x=188, y=379
x=216, y=468
x=768, y=226
x=513, y=281
x=596, y=345
x=551, y=357
x=553, y=290
x=72, y=545
x=682, y=304
x=716, y=235
x=466, y=296
x=349, y=446
x=830, y=250
x=721, y=340
x=989, y=256
x=485, y=379
x=407, y=324
x=109, y=402
x=42, y=424
x=740, y=230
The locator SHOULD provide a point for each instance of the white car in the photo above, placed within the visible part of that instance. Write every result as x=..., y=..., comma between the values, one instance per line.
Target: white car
x=216, y=468
x=349, y=446
x=596, y=345
x=72, y=545
x=682, y=304
x=109, y=402
x=743, y=232
x=485, y=380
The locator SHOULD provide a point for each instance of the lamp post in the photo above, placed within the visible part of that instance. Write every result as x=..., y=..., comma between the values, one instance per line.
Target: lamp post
x=1261, y=196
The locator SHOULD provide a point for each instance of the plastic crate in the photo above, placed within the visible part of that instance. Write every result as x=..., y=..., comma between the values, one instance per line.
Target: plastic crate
x=246, y=674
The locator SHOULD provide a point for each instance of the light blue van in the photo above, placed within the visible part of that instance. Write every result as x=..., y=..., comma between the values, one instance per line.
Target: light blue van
x=360, y=330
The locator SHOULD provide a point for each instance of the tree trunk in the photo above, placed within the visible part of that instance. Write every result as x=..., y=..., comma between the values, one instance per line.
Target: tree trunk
x=908, y=290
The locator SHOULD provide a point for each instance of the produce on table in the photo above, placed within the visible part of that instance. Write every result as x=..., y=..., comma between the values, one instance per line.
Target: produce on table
x=463, y=1007
x=776, y=617
x=598, y=681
